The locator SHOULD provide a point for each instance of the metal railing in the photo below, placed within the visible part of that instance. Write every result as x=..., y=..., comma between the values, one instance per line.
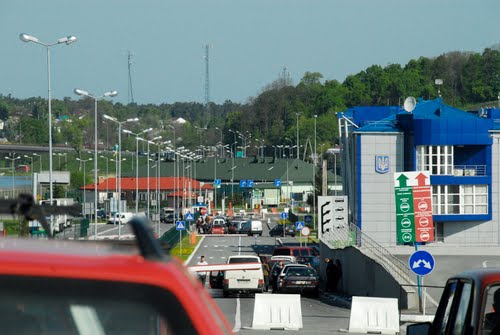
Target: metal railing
x=469, y=170
x=346, y=236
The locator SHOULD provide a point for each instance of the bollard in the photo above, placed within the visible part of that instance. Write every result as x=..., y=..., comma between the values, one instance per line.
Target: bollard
x=192, y=238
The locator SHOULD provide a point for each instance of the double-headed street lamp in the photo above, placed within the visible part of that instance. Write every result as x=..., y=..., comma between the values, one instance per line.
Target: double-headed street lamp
x=13, y=159
x=137, y=138
x=84, y=181
x=66, y=40
x=95, y=97
x=119, y=174
x=107, y=165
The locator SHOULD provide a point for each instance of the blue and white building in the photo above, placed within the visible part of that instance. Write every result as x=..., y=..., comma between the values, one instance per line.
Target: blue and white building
x=460, y=149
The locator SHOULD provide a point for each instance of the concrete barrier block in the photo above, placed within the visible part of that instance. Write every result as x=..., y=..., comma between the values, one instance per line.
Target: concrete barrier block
x=374, y=315
x=277, y=311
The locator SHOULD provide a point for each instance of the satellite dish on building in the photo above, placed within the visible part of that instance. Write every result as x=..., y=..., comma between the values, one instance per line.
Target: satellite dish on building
x=409, y=104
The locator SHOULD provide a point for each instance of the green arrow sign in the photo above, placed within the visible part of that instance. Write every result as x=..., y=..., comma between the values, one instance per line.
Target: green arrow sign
x=405, y=216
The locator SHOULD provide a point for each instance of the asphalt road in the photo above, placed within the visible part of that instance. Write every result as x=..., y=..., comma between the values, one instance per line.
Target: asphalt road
x=318, y=316
x=108, y=231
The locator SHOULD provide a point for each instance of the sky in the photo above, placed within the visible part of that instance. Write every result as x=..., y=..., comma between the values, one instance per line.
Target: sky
x=250, y=43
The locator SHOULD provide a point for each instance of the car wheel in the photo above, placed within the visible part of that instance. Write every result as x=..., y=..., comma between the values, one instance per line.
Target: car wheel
x=293, y=235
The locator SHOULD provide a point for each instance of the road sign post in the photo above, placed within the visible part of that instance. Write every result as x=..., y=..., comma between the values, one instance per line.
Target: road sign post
x=284, y=215
x=180, y=226
x=421, y=263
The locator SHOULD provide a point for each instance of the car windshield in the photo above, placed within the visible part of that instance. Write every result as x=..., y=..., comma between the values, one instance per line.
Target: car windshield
x=54, y=306
x=242, y=260
x=297, y=271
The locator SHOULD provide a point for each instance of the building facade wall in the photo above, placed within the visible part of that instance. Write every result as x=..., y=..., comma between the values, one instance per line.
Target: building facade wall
x=377, y=202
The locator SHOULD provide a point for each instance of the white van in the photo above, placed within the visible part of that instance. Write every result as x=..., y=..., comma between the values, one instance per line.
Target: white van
x=124, y=217
x=244, y=281
x=252, y=227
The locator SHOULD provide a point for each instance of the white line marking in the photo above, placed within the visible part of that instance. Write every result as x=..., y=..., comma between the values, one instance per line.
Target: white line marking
x=485, y=264
x=194, y=251
x=237, y=317
x=239, y=245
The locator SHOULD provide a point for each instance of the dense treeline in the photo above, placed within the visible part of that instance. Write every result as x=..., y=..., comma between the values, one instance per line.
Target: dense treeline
x=469, y=79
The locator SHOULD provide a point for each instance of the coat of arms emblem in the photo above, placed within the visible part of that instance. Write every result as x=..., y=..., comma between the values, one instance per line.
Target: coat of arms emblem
x=381, y=163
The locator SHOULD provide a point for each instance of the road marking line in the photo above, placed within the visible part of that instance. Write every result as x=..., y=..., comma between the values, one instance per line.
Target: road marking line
x=237, y=317
x=194, y=251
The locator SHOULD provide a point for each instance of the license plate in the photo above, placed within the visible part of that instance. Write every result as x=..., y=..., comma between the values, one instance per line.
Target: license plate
x=301, y=282
x=243, y=279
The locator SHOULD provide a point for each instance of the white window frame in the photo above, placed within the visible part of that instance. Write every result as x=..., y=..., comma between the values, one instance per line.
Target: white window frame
x=459, y=199
x=438, y=159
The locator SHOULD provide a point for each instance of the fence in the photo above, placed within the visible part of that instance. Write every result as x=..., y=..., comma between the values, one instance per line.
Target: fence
x=171, y=237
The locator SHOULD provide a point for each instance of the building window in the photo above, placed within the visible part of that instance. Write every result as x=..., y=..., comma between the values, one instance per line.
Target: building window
x=436, y=159
x=459, y=199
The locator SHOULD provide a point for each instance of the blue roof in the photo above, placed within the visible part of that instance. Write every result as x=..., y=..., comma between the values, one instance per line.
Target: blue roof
x=393, y=118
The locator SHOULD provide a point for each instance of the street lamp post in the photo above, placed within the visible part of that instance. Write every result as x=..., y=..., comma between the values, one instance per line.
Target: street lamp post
x=297, y=114
x=95, y=97
x=84, y=197
x=119, y=171
x=13, y=159
x=137, y=138
x=67, y=40
x=107, y=174
x=221, y=142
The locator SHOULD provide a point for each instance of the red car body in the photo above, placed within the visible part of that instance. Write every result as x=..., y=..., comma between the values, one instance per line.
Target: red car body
x=46, y=269
x=217, y=229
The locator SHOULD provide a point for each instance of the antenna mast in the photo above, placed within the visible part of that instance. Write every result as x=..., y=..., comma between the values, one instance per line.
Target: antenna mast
x=130, y=95
x=207, y=83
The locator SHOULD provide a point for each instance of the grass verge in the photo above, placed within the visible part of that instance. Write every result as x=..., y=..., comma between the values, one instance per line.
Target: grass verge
x=187, y=248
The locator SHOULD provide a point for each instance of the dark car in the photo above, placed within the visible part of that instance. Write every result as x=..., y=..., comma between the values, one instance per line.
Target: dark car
x=301, y=280
x=295, y=251
x=278, y=230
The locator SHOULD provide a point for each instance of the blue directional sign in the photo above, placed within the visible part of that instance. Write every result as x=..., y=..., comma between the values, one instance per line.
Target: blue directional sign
x=284, y=215
x=249, y=183
x=308, y=218
x=243, y=183
x=421, y=262
x=277, y=182
x=299, y=225
x=180, y=225
x=217, y=181
x=189, y=217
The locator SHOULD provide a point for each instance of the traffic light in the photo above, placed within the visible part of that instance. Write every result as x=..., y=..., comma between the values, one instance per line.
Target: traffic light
x=324, y=221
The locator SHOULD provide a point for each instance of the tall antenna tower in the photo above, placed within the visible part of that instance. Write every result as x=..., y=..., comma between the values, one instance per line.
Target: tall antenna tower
x=207, y=83
x=285, y=78
x=130, y=95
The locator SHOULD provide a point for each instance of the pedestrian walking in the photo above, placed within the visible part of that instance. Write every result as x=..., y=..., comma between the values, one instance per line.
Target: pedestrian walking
x=266, y=270
x=202, y=275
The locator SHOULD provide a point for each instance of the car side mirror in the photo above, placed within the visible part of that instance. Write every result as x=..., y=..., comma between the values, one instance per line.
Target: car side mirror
x=418, y=328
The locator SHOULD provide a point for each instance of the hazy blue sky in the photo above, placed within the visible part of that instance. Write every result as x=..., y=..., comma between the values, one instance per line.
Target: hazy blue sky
x=251, y=42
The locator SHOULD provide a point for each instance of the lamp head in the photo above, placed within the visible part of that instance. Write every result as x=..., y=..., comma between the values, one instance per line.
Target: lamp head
x=81, y=92
x=68, y=40
x=111, y=94
x=28, y=38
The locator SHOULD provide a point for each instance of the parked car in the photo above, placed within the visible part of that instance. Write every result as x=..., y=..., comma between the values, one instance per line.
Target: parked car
x=217, y=229
x=284, y=271
x=295, y=251
x=278, y=230
x=300, y=280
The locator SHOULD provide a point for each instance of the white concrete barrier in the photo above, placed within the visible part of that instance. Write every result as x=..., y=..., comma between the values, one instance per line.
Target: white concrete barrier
x=374, y=315
x=277, y=311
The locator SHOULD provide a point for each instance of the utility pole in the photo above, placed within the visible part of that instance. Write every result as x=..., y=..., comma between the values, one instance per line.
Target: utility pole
x=298, y=147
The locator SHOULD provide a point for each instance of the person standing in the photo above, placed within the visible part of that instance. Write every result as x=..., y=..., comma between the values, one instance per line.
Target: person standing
x=331, y=273
x=275, y=275
x=202, y=275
